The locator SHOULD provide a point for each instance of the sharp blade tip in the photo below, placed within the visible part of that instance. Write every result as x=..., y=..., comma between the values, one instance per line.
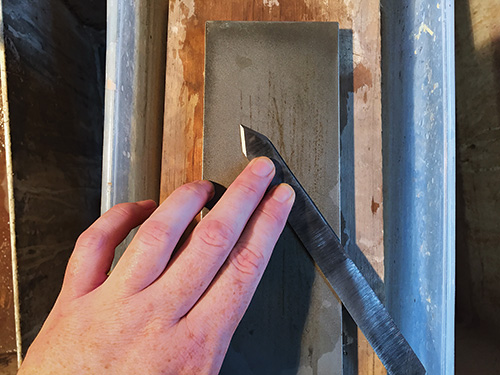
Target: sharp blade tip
x=243, y=142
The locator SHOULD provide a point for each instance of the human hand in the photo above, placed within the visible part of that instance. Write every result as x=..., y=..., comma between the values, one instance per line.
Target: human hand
x=161, y=312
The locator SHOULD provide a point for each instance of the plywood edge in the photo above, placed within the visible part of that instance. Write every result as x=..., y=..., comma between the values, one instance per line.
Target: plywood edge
x=9, y=184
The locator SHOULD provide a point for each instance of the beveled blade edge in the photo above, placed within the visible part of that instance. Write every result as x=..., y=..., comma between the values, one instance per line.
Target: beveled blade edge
x=343, y=275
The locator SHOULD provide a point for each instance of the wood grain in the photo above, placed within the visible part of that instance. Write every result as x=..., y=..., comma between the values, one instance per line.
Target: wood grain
x=478, y=173
x=8, y=285
x=183, y=127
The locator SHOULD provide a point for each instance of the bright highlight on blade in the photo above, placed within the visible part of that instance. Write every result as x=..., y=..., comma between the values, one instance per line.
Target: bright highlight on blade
x=243, y=142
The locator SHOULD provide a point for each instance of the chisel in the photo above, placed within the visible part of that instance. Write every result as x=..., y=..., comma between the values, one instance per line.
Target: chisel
x=345, y=278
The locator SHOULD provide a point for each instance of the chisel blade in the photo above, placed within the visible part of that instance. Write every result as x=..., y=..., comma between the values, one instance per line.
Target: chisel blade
x=345, y=278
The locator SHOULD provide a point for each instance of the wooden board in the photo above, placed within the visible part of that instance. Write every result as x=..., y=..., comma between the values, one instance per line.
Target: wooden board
x=361, y=156
x=9, y=329
x=478, y=173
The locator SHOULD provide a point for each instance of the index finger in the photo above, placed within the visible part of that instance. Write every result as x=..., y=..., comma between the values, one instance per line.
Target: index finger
x=202, y=255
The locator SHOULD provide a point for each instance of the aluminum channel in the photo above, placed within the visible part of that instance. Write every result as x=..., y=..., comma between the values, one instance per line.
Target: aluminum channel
x=134, y=102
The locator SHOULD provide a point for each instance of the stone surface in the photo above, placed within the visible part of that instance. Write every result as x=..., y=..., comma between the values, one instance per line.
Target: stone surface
x=280, y=79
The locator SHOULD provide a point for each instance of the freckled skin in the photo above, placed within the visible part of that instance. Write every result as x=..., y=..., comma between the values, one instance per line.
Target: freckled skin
x=155, y=314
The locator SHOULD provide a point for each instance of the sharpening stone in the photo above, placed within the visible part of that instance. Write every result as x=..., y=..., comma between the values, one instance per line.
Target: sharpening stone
x=281, y=79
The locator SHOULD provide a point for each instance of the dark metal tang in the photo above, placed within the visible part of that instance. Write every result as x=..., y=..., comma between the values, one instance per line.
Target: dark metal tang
x=345, y=278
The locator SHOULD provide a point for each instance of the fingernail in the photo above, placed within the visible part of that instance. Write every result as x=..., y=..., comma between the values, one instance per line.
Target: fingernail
x=147, y=204
x=283, y=193
x=262, y=166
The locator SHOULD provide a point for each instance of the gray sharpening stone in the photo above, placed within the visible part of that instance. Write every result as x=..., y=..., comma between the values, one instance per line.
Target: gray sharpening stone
x=281, y=79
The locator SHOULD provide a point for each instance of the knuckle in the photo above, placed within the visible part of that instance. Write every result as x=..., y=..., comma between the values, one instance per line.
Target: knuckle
x=216, y=234
x=94, y=237
x=124, y=210
x=72, y=270
x=270, y=216
x=248, y=262
x=192, y=189
x=247, y=189
x=155, y=233
x=155, y=323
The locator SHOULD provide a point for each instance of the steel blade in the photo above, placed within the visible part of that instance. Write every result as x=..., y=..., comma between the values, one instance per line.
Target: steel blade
x=345, y=278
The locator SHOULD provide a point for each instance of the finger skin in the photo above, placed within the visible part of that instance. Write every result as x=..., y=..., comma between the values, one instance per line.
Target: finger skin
x=228, y=297
x=149, y=252
x=94, y=250
x=212, y=240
